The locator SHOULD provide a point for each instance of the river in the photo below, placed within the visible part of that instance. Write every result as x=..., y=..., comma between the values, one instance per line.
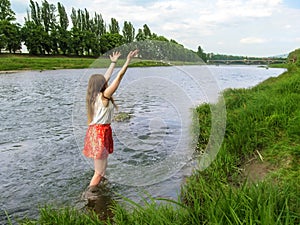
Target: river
x=43, y=126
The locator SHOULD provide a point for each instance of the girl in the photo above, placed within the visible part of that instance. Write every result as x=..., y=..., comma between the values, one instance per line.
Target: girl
x=100, y=106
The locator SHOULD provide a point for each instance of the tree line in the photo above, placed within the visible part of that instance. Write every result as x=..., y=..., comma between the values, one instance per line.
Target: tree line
x=46, y=31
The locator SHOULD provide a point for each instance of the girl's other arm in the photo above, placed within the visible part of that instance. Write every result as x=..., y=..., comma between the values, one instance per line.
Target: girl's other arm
x=114, y=58
x=115, y=84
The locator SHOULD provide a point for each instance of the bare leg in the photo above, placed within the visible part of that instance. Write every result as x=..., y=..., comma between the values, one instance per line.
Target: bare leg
x=100, y=168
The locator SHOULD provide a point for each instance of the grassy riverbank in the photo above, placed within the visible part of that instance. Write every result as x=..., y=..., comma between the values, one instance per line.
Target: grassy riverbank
x=253, y=180
x=11, y=62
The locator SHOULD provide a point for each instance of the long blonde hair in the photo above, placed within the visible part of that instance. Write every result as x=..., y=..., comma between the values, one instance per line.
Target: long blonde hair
x=97, y=84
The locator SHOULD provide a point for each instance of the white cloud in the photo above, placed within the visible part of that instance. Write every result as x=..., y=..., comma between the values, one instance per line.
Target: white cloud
x=227, y=10
x=234, y=23
x=288, y=26
x=252, y=40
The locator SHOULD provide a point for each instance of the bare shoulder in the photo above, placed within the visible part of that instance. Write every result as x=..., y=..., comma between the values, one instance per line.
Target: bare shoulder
x=104, y=100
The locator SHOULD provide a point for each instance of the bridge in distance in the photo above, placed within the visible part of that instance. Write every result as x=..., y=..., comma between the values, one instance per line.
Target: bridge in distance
x=246, y=61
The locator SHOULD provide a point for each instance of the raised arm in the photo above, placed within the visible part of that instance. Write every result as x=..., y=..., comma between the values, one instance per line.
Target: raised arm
x=113, y=58
x=115, y=84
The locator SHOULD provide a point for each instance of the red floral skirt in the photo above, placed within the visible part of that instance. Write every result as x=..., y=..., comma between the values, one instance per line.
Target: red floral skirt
x=98, y=142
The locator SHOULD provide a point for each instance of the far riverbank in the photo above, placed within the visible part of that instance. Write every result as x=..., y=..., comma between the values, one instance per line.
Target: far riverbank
x=12, y=62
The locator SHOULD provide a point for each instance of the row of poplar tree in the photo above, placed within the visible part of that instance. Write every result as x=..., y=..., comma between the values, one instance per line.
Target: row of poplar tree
x=46, y=31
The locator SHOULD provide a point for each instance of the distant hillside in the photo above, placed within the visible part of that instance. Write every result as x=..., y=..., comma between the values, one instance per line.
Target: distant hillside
x=294, y=56
x=280, y=56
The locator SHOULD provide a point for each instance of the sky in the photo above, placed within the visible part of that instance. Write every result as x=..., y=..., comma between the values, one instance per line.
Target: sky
x=233, y=27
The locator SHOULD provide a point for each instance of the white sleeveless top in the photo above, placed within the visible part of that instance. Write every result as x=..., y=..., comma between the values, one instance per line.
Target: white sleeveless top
x=102, y=114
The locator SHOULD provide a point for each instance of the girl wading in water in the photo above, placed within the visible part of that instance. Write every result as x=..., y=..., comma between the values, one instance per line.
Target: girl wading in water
x=100, y=105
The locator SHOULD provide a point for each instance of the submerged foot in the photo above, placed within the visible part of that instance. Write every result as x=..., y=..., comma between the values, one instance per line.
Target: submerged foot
x=94, y=191
x=90, y=193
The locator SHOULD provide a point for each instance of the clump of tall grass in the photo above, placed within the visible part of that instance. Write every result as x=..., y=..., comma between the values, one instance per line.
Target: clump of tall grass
x=220, y=203
x=64, y=216
x=151, y=211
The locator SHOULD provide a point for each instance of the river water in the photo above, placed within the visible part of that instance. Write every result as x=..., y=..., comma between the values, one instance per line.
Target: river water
x=43, y=125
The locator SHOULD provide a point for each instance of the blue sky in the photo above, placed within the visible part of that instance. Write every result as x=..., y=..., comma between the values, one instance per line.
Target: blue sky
x=237, y=27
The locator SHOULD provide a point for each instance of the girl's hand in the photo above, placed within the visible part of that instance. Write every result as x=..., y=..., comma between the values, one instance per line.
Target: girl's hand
x=114, y=56
x=132, y=54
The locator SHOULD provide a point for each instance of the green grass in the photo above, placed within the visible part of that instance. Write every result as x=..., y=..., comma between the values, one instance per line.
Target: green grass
x=147, y=63
x=26, y=62
x=10, y=62
x=264, y=119
x=51, y=216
